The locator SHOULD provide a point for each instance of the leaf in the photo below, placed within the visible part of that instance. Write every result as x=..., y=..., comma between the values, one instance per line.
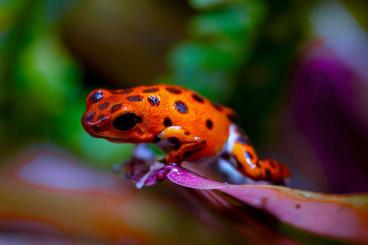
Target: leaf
x=338, y=216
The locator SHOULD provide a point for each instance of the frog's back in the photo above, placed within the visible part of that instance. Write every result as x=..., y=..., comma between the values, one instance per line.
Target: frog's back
x=170, y=105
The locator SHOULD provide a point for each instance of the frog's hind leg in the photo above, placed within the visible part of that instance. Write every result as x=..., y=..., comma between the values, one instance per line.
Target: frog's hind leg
x=251, y=166
x=247, y=161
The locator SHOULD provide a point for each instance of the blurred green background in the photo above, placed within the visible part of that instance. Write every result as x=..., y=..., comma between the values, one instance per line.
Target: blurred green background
x=254, y=56
x=54, y=52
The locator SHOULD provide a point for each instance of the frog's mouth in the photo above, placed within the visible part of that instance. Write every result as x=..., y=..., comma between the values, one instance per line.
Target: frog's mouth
x=117, y=140
x=120, y=140
x=112, y=139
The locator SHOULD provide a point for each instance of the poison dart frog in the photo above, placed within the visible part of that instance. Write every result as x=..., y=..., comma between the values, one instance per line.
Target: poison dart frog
x=184, y=124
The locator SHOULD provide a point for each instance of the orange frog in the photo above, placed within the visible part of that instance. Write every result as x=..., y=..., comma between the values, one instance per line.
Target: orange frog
x=179, y=121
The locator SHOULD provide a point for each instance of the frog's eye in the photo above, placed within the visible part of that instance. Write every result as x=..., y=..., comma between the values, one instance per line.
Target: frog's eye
x=96, y=96
x=126, y=121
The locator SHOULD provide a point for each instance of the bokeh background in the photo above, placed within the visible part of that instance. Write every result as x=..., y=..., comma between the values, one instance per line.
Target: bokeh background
x=296, y=72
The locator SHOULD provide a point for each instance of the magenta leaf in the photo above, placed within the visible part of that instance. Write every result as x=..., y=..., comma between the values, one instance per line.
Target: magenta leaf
x=339, y=216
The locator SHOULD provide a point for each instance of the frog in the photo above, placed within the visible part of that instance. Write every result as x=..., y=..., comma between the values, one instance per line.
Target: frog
x=184, y=124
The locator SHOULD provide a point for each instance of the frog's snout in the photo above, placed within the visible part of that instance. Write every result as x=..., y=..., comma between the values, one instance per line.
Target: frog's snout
x=93, y=123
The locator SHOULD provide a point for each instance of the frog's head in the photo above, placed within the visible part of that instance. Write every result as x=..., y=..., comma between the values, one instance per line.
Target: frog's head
x=114, y=115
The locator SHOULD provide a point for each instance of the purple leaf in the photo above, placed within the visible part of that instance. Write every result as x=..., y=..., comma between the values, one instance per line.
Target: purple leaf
x=340, y=216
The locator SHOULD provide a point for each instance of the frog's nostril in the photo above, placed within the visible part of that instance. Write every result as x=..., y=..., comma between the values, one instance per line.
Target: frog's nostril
x=89, y=116
x=94, y=122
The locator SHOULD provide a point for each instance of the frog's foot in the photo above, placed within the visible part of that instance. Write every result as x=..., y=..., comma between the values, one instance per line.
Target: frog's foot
x=232, y=175
x=142, y=155
x=144, y=173
x=143, y=168
x=156, y=173
x=134, y=168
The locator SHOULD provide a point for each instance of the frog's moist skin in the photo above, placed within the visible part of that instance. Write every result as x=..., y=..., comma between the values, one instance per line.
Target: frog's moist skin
x=184, y=124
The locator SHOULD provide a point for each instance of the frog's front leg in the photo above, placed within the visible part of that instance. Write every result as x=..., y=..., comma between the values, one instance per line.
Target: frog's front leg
x=179, y=143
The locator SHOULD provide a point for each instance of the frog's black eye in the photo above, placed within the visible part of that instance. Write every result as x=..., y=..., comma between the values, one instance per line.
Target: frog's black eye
x=96, y=96
x=126, y=121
